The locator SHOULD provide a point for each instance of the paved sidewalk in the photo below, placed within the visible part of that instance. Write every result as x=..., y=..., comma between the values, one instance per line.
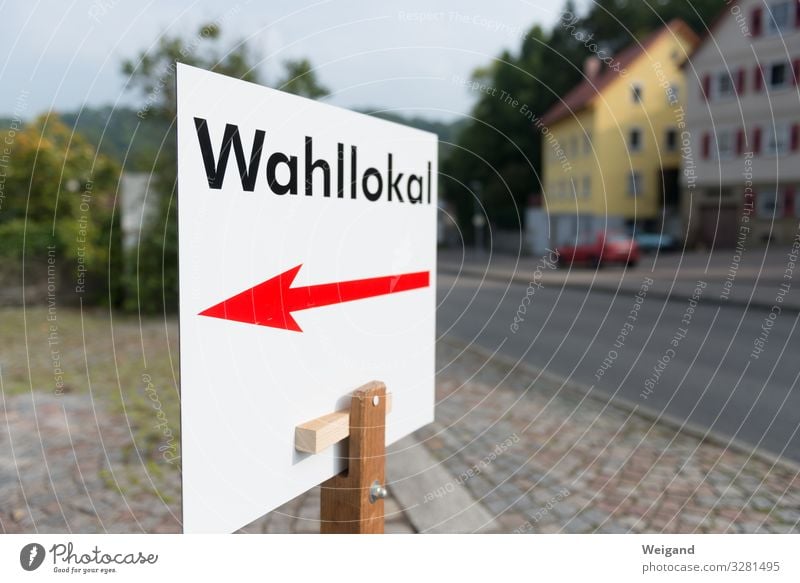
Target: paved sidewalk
x=750, y=279
x=577, y=464
x=67, y=465
x=523, y=452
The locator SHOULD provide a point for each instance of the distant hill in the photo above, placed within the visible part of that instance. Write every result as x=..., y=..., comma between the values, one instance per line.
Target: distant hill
x=119, y=131
x=114, y=132
x=446, y=131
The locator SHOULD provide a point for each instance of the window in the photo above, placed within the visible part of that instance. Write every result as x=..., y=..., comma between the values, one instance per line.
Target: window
x=587, y=187
x=778, y=75
x=725, y=144
x=671, y=140
x=635, y=140
x=777, y=142
x=573, y=146
x=769, y=204
x=634, y=184
x=724, y=85
x=673, y=94
x=797, y=202
x=779, y=17
x=587, y=143
x=636, y=93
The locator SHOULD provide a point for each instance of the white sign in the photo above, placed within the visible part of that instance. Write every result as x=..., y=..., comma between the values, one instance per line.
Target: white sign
x=307, y=268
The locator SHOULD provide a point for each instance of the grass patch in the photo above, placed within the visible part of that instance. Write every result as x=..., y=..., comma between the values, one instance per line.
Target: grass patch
x=128, y=367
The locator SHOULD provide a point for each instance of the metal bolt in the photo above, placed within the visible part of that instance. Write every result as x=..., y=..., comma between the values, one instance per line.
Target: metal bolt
x=376, y=400
x=377, y=492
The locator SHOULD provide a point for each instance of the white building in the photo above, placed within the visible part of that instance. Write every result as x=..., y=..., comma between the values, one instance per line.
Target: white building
x=138, y=206
x=741, y=150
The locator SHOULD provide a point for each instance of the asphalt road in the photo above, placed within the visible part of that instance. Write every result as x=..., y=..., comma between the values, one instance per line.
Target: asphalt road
x=702, y=368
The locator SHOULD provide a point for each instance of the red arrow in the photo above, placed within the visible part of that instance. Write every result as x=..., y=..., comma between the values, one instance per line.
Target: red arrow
x=272, y=302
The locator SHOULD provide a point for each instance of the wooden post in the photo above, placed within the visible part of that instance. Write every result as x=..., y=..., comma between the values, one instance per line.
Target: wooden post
x=349, y=504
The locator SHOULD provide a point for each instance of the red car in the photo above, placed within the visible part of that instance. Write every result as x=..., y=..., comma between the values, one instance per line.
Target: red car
x=605, y=248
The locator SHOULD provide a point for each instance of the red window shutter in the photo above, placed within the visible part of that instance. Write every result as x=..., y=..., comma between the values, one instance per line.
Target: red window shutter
x=740, y=80
x=759, y=78
x=757, y=141
x=788, y=202
x=706, y=146
x=740, y=142
x=706, y=87
x=796, y=68
x=795, y=141
x=757, y=12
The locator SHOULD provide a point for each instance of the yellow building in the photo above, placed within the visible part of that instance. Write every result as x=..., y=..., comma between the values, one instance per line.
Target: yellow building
x=612, y=146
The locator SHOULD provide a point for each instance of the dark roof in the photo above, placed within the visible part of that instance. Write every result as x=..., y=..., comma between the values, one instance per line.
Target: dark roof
x=582, y=94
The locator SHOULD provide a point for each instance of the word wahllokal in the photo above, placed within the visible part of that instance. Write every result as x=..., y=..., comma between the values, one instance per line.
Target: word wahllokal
x=282, y=170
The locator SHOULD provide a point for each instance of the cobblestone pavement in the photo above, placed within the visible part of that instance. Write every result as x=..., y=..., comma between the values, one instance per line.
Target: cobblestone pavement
x=67, y=465
x=547, y=458
x=541, y=458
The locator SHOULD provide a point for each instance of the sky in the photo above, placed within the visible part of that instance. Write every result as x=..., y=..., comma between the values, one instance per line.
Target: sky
x=403, y=56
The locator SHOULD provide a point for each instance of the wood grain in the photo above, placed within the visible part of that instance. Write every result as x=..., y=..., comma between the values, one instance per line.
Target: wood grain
x=319, y=434
x=345, y=504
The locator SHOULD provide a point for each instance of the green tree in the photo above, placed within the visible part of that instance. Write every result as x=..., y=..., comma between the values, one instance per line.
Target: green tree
x=500, y=150
x=300, y=79
x=618, y=23
x=153, y=277
x=58, y=196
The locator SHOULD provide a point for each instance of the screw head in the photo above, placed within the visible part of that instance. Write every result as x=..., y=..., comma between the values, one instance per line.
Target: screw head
x=376, y=400
x=377, y=492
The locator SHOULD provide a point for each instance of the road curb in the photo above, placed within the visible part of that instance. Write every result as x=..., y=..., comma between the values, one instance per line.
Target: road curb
x=420, y=483
x=608, y=289
x=621, y=403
